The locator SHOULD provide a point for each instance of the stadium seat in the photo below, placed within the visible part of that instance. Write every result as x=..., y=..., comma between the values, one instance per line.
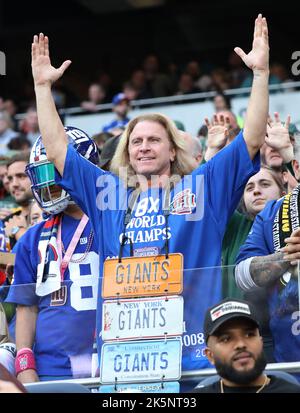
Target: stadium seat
x=56, y=388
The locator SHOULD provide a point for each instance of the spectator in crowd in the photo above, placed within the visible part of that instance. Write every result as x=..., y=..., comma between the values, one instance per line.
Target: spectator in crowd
x=193, y=147
x=238, y=72
x=280, y=160
x=157, y=83
x=261, y=188
x=221, y=103
x=138, y=82
x=273, y=80
x=186, y=85
x=202, y=136
x=269, y=155
x=9, y=106
x=152, y=155
x=220, y=79
x=279, y=71
x=202, y=82
x=129, y=91
x=234, y=346
x=105, y=80
x=59, y=95
x=179, y=125
x=96, y=96
x=20, y=143
x=16, y=223
x=61, y=306
x=267, y=261
x=293, y=132
x=288, y=178
x=6, y=132
x=36, y=213
x=7, y=202
x=29, y=125
x=121, y=107
x=100, y=139
x=108, y=152
x=264, y=186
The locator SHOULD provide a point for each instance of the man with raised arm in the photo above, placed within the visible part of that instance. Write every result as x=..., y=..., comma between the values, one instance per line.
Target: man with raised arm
x=154, y=203
x=268, y=261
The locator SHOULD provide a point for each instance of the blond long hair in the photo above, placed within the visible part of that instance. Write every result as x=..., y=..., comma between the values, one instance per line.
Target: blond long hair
x=182, y=165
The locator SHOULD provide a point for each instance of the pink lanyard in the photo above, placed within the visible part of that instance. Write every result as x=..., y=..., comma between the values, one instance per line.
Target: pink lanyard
x=71, y=248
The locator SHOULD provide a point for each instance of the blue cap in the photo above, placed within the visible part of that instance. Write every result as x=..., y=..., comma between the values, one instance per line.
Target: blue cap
x=118, y=98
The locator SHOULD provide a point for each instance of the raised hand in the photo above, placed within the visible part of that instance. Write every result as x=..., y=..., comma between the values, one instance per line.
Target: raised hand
x=42, y=71
x=218, y=131
x=278, y=134
x=278, y=137
x=258, y=57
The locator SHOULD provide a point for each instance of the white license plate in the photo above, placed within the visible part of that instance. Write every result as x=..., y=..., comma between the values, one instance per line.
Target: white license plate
x=141, y=361
x=166, y=387
x=142, y=318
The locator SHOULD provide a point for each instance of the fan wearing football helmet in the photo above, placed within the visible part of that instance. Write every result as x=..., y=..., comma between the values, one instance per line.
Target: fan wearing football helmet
x=50, y=197
x=56, y=263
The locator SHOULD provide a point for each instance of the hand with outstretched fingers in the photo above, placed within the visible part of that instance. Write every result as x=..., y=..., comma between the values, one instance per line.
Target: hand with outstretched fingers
x=258, y=58
x=42, y=71
x=278, y=137
x=218, y=131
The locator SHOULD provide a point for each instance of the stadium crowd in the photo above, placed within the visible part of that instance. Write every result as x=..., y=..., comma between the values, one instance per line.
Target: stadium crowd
x=54, y=219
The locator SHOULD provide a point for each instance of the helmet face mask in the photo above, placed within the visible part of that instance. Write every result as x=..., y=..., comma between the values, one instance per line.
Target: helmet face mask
x=41, y=172
x=42, y=177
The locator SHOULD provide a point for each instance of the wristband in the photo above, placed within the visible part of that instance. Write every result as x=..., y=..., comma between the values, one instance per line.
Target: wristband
x=24, y=360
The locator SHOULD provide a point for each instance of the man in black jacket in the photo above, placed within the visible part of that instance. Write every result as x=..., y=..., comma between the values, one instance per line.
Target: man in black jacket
x=235, y=347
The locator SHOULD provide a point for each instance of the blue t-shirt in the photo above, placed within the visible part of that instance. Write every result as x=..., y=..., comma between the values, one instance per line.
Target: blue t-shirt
x=283, y=295
x=116, y=123
x=200, y=205
x=64, y=333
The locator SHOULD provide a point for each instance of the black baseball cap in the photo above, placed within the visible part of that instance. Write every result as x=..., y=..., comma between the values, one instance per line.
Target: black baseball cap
x=108, y=150
x=225, y=310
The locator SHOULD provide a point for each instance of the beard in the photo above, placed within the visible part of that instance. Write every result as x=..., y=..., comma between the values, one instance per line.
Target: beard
x=24, y=199
x=228, y=372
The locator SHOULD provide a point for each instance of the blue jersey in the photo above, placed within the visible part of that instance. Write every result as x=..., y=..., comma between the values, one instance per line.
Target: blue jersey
x=283, y=295
x=3, y=238
x=64, y=332
x=200, y=206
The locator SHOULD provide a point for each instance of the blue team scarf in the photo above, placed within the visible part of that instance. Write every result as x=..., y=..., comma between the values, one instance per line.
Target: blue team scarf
x=286, y=221
x=287, y=218
x=48, y=270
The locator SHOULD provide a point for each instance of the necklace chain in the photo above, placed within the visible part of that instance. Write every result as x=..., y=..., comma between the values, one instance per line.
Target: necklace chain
x=258, y=391
x=87, y=250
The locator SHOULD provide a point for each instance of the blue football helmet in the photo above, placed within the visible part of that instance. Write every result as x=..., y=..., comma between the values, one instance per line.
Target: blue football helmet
x=41, y=172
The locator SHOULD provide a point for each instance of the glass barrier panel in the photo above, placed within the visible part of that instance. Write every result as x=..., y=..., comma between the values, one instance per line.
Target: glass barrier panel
x=143, y=331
